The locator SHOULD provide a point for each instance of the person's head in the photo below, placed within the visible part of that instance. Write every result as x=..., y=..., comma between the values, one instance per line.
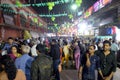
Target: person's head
x=40, y=48
x=8, y=65
x=106, y=45
x=54, y=41
x=65, y=43
x=110, y=40
x=113, y=41
x=91, y=49
x=14, y=49
x=76, y=43
x=10, y=40
x=25, y=49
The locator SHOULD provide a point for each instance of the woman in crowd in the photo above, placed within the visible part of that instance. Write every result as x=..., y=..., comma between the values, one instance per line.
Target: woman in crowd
x=14, y=52
x=77, y=55
x=66, y=53
x=9, y=71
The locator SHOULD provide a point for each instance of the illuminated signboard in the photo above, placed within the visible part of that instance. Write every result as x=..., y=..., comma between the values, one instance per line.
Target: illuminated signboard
x=100, y=4
x=96, y=6
x=105, y=2
x=88, y=12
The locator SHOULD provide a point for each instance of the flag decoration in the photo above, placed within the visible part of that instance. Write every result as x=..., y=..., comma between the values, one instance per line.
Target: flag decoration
x=70, y=16
x=53, y=18
x=78, y=2
x=50, y=5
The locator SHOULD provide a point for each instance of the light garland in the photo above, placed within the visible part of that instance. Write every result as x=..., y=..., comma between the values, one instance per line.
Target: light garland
x=18, y=4
x=41, y=15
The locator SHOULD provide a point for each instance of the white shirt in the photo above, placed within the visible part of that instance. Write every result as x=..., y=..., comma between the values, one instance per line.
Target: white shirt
x=33, y=50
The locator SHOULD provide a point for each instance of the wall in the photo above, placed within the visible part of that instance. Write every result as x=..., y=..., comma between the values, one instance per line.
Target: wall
x=6, y=32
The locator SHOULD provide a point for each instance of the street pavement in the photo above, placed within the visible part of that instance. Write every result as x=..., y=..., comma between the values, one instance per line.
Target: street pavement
x=72, y=75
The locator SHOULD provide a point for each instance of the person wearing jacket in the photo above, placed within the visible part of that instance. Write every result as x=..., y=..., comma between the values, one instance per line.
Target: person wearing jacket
x=41, y=68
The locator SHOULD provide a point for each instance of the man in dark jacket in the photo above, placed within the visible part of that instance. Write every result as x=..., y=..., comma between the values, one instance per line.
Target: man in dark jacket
x=41, y=68
x=55, y=54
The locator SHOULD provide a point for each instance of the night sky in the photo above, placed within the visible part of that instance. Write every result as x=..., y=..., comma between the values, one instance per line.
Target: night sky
x=60, y=9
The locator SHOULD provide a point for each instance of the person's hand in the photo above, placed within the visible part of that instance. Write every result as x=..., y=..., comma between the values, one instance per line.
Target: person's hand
x=79, y=76
x=59, y=67
x=88, y=61
x=87, y=55
x=107, y=78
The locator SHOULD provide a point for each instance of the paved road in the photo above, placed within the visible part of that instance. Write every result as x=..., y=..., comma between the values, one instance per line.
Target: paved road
x=72, y=75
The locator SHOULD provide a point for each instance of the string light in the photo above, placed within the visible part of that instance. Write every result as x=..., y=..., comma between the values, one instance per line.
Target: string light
x=41, y=15
x=36, y=4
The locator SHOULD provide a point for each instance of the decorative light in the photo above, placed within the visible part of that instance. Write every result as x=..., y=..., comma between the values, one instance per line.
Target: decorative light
x=78, y=2
x=74, y=7
x=70, y=16
x=18, y=3
x=53, y=18
x=50, y=5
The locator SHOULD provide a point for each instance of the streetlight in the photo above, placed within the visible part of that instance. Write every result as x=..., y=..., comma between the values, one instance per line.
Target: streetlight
x=74, y=7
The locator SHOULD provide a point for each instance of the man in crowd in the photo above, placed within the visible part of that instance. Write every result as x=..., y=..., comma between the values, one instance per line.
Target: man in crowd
x=9, y=44
x=107, y=62
x=41, y=68
x=55, y=54
x=89, y=63
x=24, y=62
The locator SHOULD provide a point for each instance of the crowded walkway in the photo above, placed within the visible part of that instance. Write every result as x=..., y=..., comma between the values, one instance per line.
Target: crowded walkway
x=58, y=59
x=59, y=39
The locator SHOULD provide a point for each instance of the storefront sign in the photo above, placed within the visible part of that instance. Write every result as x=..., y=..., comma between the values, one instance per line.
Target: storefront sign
x=96, y=6
x=100, y=4
x=88, y=12
x=105, y=2
x=109, y=31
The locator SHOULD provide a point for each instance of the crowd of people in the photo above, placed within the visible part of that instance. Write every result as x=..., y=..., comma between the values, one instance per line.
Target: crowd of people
x=38, y=59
